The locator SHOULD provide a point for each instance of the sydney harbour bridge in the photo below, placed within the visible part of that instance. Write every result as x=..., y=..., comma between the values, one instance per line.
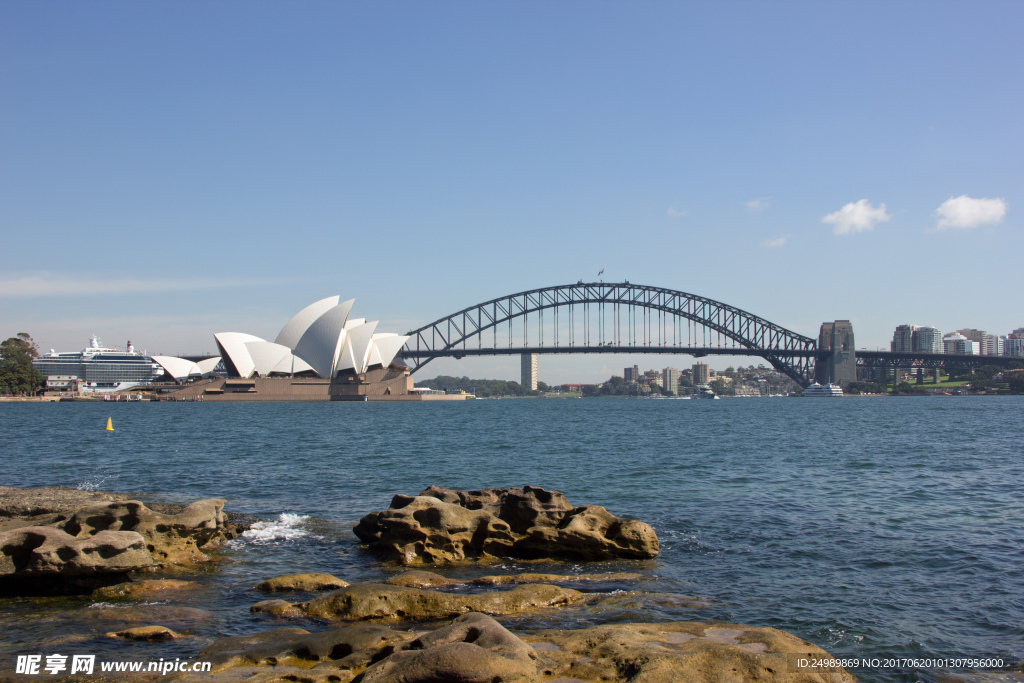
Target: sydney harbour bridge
x=600, y=317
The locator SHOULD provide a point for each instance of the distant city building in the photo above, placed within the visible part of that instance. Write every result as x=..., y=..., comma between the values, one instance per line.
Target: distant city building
x=903, y=339
x=1014, y=345
x=993, y=345
x=529, y=374
x=670, y=380
x=1019, y=331
x=954, y=342
x=927, y=340
x=701, y=373
x=631, y=374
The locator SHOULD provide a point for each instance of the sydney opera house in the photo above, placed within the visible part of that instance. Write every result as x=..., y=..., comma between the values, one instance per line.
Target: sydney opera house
x=321, y=354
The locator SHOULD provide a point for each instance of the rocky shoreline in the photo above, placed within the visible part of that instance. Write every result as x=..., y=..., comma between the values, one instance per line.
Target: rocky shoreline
x=415, y=626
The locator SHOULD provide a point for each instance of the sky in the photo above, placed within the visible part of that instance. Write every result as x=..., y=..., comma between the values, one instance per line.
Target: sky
x=173, y=169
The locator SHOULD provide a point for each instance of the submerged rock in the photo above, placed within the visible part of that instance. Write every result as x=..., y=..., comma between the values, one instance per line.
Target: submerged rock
x=443, y=525
x=381, y=601
x=143, y=589
x=145, y=633
x=417, y=578
x=301, y=582
x=472, y=649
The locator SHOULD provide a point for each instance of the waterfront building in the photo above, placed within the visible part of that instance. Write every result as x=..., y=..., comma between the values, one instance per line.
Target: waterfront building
x=1014, y=345
x=701, y=373
x=927, y=340
x=993, y=345
x=903, y=339
x=529, y=372
x=954, y=342
x=631, y=374
x=670, y=380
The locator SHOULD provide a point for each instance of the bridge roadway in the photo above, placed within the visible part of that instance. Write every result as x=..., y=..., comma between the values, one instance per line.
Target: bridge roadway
x=696, y=351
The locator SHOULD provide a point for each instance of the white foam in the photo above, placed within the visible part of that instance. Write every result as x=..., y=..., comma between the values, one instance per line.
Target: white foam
x=285, y=528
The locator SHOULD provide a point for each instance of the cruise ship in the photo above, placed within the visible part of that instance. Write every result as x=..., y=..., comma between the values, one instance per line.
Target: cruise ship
x=823, y=390
x=100, y=368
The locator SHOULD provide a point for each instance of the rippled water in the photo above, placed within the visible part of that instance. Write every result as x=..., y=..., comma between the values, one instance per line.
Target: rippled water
x=872, y=527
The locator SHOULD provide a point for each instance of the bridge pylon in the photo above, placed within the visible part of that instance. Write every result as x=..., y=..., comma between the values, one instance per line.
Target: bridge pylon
x=837, y=354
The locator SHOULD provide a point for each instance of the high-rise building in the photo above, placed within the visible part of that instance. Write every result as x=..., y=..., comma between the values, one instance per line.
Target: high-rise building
x=903, y=339
x=927, y=340
x=631, y=374
x=529, y=374
x=701, y=373
x=670, y=380
x=1014, y=345
x=954, y=342
x=993, y=345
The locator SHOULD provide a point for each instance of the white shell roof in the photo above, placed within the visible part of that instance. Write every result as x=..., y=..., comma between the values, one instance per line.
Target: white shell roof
x=266, y=355
x=384, y=347
x=293, y=330
x=178, y=368
x=356, y=348
x=232, y=345
x=322, y=340
x=291, y=364
x=207, y=365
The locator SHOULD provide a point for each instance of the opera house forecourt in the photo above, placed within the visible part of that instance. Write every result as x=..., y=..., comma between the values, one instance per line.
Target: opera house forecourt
x=321, y=354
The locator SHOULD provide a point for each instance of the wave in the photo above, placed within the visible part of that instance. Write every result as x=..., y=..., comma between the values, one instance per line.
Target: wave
x=286, y=527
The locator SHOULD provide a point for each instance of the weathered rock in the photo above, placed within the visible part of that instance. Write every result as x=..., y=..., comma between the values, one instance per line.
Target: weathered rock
x=521, y=508
x=472, y=649
x=276, y=608
x=381, y=601
x=442, y=525
x=145, y=633
x=416, y=578
x=506, y=579
x=424, y=529
x=143, y=589
x=680, y=651
x=59, y=501
x=348, y=647
x=45, y=552
x=129, y=613
x=170, y=538
x=301, y=582
x=591, y=533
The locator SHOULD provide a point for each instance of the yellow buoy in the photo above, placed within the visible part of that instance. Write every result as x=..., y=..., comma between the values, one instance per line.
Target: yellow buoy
x=110, y=425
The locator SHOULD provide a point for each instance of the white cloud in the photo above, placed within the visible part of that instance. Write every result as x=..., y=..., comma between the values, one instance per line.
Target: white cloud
x=673, y=213
x=963, y=212
x=856, y=217
x=51, y=284
x=760, y=203
x=775, y=242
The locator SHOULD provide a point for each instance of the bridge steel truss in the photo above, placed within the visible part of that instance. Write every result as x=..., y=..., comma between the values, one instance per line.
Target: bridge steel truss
x=930, y=361
x=599, y=317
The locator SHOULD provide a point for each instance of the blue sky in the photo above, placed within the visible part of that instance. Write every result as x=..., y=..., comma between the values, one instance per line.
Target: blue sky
x=170, y=170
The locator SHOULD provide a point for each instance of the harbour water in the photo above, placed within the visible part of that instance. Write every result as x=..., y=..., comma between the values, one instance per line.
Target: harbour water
x=872, y=527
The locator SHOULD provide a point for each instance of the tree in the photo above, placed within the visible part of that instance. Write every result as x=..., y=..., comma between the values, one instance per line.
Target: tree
x=1017, y=383
x=17, y=373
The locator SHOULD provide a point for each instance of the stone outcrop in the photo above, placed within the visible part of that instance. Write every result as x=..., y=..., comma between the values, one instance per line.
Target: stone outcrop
x=472, y=649
x=178, y=538
x=301, y=582
x=41, y=559
x=346, y=648
x=679, y=651
x=382, y=601
x=443, y=525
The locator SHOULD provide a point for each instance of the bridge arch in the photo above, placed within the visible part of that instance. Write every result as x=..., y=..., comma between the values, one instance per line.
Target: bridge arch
x=737, y=331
